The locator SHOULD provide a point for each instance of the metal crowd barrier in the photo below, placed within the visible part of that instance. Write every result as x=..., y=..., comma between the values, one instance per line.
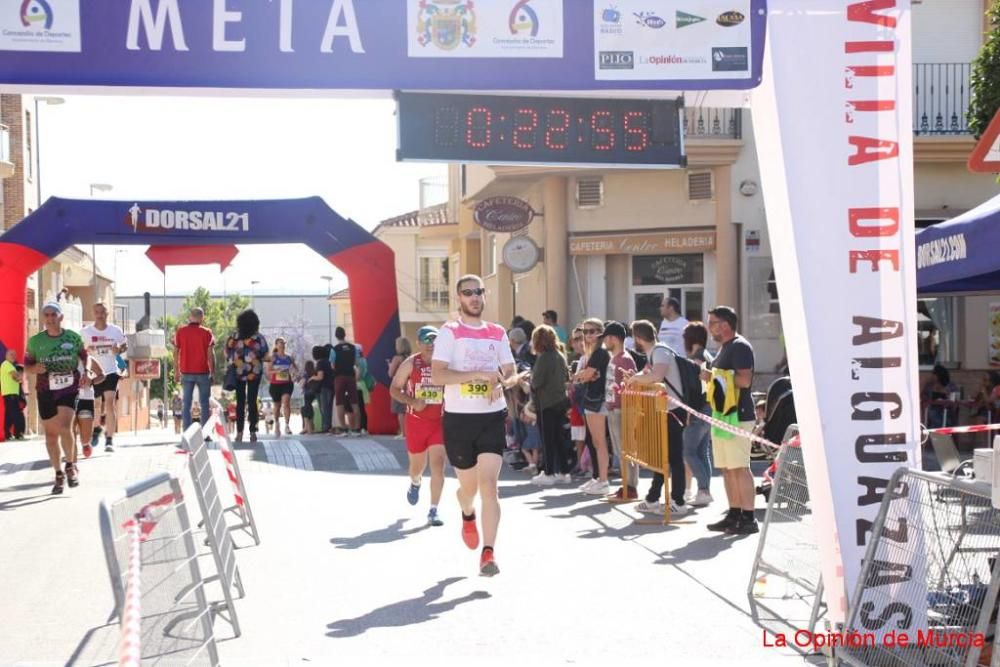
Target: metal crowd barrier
x=644, y=436
x=785, y=587
x=929, y=574
x=218, y=539
x=216, y=430
x=176, y=625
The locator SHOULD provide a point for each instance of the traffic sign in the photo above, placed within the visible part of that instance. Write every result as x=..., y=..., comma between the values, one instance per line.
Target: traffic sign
x=985, y=156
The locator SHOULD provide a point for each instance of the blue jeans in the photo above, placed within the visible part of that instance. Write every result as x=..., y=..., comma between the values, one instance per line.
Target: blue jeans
x=204, y=383
x=326, y=407
x=697, y=444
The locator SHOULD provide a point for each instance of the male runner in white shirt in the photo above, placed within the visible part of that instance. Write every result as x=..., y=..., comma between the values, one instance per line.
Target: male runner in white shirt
x=104, y=342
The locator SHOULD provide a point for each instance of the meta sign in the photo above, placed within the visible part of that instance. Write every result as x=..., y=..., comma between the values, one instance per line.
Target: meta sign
x=382, y=45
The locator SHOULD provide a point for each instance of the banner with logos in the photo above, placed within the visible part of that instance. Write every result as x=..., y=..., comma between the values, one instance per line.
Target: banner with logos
x=384, y=45
x=837, y=178
x=640, y=40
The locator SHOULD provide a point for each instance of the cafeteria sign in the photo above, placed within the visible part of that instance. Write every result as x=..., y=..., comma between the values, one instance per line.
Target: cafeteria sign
x=503, y=214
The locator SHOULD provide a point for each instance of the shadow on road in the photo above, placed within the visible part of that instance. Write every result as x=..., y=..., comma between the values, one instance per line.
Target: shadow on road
x=703, y=548
x=25, y=501
x=391, y=533
x=404, y=612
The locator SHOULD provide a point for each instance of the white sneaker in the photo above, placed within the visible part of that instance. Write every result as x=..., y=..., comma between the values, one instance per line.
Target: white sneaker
x=541, y=479
x=565, y=478
x=531, y=469
x=647, y=507
x=598, y=488
x=678, y=510
x=701, y=499
x=690, y=496
x=586, y=485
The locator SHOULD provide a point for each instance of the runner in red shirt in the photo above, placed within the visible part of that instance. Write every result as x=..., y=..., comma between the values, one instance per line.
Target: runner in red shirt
x=412, y=387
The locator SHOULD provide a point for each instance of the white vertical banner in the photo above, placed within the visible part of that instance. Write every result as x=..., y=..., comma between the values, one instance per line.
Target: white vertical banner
x=832, y=123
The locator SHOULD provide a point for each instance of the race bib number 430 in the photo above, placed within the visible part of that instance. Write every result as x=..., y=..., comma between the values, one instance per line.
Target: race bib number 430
x=475, y=390
x=429, y=393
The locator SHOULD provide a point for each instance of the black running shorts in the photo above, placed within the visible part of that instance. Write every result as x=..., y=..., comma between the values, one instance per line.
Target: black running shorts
x=467, y=435
x=84, y=408
x=48, y=405
x=110, y=383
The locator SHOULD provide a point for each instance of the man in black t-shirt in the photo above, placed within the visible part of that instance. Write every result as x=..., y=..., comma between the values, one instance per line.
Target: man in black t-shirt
x=344, y=358
x=731, y=453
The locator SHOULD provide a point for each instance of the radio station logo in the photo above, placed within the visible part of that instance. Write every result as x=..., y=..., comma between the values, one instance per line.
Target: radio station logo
x=730, y=19
x=523, y=19
x=611, y=21
x=37, y=14
x=730, y=59
x=684, y=19
x=649, y=20
x=162, y=220
x=447, y=24
x=616, y=60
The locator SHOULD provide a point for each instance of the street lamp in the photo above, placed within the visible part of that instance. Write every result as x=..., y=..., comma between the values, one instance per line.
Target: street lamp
x=97, y=187
x=51, y=101
x=252, y=284
x=329, y=308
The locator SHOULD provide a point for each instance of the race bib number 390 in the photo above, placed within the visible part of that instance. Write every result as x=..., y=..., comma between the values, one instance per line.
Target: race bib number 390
x=59, y=381
x=475, y=389
x=429, y=393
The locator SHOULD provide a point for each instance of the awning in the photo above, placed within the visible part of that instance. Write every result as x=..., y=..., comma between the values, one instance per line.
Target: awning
x=961, y=255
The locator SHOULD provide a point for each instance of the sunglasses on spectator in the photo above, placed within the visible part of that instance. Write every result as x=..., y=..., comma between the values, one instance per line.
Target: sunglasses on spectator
x=591, y=332
x=478, y=291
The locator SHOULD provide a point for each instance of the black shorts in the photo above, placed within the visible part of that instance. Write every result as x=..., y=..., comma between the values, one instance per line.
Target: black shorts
x=467, y=435
x=84, y=408
x=48, y=404
x=110, y=383
x=279, y=390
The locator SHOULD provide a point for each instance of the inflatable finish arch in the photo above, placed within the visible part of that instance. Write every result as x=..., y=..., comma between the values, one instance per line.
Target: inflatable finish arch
x=368, y=263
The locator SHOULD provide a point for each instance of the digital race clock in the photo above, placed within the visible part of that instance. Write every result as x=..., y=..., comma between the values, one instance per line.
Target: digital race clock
x=500, y=129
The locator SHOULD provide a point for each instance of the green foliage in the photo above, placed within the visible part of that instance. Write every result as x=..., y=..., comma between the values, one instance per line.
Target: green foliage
x=985, y=84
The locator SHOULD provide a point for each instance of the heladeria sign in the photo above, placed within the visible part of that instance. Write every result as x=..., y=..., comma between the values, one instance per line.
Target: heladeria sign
x=382, y=44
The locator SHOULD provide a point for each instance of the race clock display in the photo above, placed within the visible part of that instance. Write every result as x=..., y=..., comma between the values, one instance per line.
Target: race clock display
x=499, y=129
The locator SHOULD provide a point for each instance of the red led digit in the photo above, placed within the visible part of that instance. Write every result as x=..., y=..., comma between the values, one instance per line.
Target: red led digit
x=557, y=123
x=636, y=131
x=479, y=127
x=446, y=126
x=525, y=128
x=602, y=136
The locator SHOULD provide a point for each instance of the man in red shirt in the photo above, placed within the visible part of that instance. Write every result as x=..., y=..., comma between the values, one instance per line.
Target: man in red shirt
x=194, y=363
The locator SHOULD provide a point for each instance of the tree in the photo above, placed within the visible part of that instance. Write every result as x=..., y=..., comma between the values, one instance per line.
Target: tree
x=985, y=83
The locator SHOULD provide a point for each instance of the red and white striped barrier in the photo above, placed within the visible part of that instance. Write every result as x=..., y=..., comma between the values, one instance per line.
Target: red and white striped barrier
x=951, y=430
x=130, y=650
x=216, y=430
x=723, y=426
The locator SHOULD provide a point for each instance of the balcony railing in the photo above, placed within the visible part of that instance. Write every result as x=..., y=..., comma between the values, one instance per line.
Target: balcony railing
x=433, y=295
x=941, y=98
x=713, y=123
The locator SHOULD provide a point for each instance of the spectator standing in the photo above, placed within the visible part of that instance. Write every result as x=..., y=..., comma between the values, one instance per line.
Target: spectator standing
x=403, y=352
x=672, y=327
x=621, y=367
x=940, y=388
x=731, y=452
x=246, y=350
x=592, y=377
x=662, y=367
x=177, y=411
x=324, y=379
x=551, y=318
x=344, y=357
x=548, y=385
x=194, y=363
x=697, y=436
x=520, y=348
x=10, y=387
x=310, y=389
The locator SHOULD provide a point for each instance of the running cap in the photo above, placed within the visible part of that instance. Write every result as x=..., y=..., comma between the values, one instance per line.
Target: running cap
x=54, y=307
x=427, y=334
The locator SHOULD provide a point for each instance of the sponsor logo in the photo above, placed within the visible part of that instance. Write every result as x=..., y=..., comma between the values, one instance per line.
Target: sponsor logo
x=37, y=14
x=649, y=20
x=729, y=19
x=157, y=220
x=672, y=59
x=617, y=60
x=447, y=24
x=523, y=19
x=730, y=59
x=611, y=21
x=684, y=19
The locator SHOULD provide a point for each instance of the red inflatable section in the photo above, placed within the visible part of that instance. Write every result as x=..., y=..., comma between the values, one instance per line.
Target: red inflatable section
x=16, y=264
x=373, y=306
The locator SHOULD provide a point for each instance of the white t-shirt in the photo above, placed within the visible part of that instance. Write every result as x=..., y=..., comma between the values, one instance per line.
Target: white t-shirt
x=99, y=345
x=672, y=333
x=469, y=348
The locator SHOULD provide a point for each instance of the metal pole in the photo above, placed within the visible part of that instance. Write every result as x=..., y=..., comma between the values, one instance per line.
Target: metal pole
x=40, y=277
x=329, y=314
x=164, y=331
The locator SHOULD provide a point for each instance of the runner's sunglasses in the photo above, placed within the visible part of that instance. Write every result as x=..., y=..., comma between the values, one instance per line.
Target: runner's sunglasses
x=478, y=291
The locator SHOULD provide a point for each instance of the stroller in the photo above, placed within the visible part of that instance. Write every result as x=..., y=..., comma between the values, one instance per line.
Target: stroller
x=779, y=414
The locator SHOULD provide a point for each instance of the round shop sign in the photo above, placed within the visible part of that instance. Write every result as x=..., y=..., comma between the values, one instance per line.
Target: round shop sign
x=520, y=254
x=503, y=214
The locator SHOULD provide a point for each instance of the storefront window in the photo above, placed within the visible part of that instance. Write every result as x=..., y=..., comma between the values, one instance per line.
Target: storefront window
x=936, y=332
x=655, y=277
x=762, y=313
x=668, y=269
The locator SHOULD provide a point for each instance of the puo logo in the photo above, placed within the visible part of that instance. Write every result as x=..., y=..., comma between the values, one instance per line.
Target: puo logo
x=36, y=13
x=160, y=220
x=523, y=18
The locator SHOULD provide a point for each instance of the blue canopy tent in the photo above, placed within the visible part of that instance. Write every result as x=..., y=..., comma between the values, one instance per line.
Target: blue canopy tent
x=961, y=255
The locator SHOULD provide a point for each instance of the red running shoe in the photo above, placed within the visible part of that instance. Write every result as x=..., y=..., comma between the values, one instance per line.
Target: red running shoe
x=470, y=534
x=488, y=566
x=87, y=450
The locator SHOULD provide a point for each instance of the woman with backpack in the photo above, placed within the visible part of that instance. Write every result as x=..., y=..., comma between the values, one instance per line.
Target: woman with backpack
x=591, y=381
x=697, y=433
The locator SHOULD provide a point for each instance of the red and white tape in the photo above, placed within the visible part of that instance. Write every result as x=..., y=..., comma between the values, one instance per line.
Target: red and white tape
x=723, y=426
x=216, y=430
x=130, y=653
x=977, y=428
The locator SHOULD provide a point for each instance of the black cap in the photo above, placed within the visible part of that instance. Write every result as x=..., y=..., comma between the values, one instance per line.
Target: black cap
x=616, y=329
